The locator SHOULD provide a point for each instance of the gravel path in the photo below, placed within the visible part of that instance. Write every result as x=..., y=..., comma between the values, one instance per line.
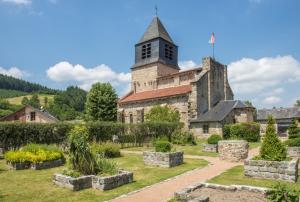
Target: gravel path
x=164, y=190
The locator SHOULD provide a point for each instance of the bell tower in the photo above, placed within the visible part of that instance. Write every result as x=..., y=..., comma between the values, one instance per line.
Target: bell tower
x=155, y=55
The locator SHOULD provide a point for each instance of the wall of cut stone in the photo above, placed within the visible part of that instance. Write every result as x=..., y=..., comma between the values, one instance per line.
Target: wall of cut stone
x=163, y=159
x=111, y=182
x=210, y=148
x=179, y=103
x=276, y=170
x=142, y=77
x=233, y=150
x=293, y=151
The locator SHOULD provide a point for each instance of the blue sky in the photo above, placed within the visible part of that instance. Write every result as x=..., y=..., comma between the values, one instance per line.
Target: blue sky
x=62, y=42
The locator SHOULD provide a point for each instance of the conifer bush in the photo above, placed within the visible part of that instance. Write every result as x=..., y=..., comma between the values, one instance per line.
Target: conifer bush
x=272, y=149
x=294, y=130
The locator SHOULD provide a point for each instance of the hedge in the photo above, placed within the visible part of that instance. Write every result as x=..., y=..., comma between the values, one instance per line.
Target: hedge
x=15, y=135
x=245, y=131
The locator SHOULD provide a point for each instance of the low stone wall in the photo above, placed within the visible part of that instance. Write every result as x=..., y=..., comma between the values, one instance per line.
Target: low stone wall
x=110, y=182
x=233, y=150
x=185, y=194
x=36, y=166
x=169, y=159
x=19, y=166
x=75, y=184
x=277, y=170
x=47, y=164
x=210, y=148
x=293, y=151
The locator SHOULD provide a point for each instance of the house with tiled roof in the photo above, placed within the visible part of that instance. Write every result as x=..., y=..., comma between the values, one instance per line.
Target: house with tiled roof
x=156, y=79
x=29, y=114
x=283, y=118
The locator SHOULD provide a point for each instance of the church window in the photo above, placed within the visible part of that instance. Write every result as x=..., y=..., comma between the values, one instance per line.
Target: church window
x=146, y=51
x=205, y=129
x=168, y=51
x=131, y=118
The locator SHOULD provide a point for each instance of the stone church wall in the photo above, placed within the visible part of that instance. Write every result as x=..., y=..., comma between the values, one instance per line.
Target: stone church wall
x=144, y=78
x=179, y=103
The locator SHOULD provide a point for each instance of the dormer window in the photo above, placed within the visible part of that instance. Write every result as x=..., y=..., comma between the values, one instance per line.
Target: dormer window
x=146, y=51
x=168, y=52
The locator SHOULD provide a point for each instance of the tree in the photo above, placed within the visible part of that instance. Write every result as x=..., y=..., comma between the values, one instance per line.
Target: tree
x=272, y=149
x=297, y=104
x=101, y=102
x=162, y=114
x=248, y=103
x=294, y=130
x=35, y=101
x=69, y=104
x=46, y=101
x=25, y=101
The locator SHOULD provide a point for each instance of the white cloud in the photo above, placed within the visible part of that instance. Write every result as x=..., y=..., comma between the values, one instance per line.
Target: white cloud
x=65, y=72
x=18, y=2
x=254, y=76
x=13, y=71
x=271, y=100
x=188, y=64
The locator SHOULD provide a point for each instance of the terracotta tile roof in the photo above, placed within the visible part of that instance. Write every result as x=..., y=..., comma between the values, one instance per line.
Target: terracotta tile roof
x=159, y=93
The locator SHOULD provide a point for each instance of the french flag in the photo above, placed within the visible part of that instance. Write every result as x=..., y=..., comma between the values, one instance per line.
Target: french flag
x=212, y=39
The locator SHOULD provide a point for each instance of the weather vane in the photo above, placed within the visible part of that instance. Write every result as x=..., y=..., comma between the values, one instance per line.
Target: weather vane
x=156, y=10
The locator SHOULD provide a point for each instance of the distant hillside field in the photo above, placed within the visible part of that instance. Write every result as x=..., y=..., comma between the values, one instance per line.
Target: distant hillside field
x=4, y=93
x=18, y=100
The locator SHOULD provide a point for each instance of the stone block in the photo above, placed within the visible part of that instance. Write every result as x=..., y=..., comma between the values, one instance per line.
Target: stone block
x=210, y=148
x=19, y=166
x=75, y=184
x=281, y=170
x=233, y=150
x=168, y=159
x=293, y=151
x=111, y=182
x=47, y=164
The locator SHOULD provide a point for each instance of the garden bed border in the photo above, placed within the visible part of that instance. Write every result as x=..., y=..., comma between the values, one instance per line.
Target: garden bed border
x=163, y=159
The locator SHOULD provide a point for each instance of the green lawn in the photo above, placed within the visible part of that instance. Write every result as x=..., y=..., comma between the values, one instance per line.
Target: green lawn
x=31, y=185
x=18, y=100
x=236, y=176
x=187, y=149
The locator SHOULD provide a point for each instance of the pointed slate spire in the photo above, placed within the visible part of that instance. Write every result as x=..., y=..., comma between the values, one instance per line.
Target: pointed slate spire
x=156, y=30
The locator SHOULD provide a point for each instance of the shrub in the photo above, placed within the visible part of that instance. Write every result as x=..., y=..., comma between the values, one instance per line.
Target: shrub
x=281, y=193
x=295, y=142
x=272, y=149
x=162, y=146
x=294, y=130
x=71, y=173
x=106, y=166
x=183, y=137
x=81, y=158
x=246, y=131
x=162, y=114
x=107, y=150
x=214, y=139
x=32, y=157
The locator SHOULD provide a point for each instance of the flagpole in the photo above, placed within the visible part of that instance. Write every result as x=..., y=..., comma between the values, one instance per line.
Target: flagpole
x=213, y=46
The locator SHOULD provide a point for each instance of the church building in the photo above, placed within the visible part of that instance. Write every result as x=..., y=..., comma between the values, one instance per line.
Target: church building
x=156, y=79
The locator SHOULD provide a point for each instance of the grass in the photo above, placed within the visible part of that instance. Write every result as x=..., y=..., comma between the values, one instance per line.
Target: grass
x=253, y=145
x=18, y=100
x=236, y=176
x=31, y=185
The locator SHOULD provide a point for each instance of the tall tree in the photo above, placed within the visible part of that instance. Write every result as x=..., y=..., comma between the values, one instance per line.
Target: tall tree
x=297, y=104
x=101, y=102
x=25, y=101
x=35, y=101
x=249, y=103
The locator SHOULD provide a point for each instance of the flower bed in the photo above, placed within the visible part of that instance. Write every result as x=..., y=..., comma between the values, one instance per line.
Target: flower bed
x=111, y=182
x=214, y=192
x=278, y=170
x=163, y=159
x=35, y=156
x=75, y=184
x=210, y=148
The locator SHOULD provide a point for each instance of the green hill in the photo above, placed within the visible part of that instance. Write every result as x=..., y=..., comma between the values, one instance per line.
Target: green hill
x=5, y=93
x=11, y=83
